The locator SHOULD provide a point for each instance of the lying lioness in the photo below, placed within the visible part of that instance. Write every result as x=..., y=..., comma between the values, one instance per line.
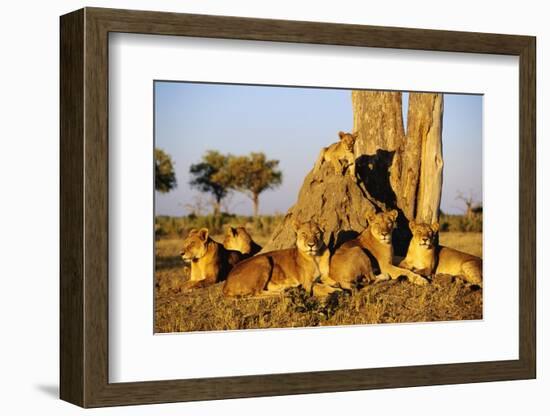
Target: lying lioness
x=352, y=260
x=340, y=154
x=427, y=258
x=210, y=261
x=238, y=239
x=281, y=269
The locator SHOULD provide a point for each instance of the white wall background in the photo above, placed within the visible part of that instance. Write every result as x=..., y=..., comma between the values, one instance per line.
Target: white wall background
x=29, y=158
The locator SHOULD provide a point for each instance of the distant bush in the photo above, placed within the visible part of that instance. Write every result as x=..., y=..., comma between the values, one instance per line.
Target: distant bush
x=461, y=223
x=166, y=226
x=264, y=225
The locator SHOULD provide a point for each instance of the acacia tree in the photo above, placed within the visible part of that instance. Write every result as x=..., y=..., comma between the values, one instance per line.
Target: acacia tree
x=210, y=176
x=252, y=175
x=165, y=177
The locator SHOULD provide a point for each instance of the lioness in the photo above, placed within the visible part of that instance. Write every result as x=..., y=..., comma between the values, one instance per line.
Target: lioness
x=238, y=239
x=210, y=261
x=427, y=258
x=340, y=154
x=351, y=262
x=281, y=269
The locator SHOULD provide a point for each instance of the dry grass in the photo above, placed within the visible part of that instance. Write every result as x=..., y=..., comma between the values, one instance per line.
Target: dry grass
x=396, y=301
x=467, y=242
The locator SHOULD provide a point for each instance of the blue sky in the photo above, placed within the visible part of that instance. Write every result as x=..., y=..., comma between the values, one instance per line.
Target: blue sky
x=291, y=125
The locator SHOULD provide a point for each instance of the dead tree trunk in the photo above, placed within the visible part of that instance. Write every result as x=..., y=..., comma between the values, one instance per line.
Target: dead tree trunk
x=425, y=123
x=378, y=120
x=394, y=170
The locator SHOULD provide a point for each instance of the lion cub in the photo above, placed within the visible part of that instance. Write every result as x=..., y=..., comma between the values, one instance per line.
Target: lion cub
x=238, y=239
x=278, y=270
x=210, y=261
x=427, y=258
x=351, y=262
x=340, y=154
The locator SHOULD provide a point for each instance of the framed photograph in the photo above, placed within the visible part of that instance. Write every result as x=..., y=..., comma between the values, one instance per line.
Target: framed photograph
x=255, y=207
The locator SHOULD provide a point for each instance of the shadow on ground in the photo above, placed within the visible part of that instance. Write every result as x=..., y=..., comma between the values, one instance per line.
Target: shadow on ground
x=51, y=390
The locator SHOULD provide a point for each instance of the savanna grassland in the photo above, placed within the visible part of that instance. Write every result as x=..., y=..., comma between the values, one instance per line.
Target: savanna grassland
x=387, y=302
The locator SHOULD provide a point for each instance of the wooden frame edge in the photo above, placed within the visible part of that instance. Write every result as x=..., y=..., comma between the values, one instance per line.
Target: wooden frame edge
x=528, y=208
x=84, y=207
x=72, y=368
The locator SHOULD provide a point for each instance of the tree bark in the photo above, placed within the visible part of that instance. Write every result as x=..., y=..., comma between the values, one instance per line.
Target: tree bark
x=217, y=207
x=256, y=202
x=425, y=122
x=378, y=119
x=393, y=170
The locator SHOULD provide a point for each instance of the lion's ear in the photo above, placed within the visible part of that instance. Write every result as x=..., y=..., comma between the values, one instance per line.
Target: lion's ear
x=231, y=231
x=393, y=214
x=341, y=134
x=295, y=223
x=412, y=225
x=203, y=234
x=192, y=231
x=435, y=227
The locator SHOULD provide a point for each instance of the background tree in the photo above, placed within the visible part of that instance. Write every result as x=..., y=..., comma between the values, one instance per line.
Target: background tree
x=165, y=178
x=196, y=208
x=395, y=170
x=210, y=176
x=472, y=207
x=252, y=175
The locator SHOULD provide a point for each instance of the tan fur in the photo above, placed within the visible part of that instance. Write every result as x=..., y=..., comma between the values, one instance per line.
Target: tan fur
x=427, y=258
x=462, y=265
x=278, y=270
x=340, y=154
x=421, y=254
x=210, y=261
x=350, y=265
x=238, y=239
x=352, y=260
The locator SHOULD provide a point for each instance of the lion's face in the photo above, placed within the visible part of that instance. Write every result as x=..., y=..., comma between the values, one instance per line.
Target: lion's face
x=194, y=245
x=238, y=239
x=381, y=225
x=309, y=238
x=424, y=235
x=348, y=140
